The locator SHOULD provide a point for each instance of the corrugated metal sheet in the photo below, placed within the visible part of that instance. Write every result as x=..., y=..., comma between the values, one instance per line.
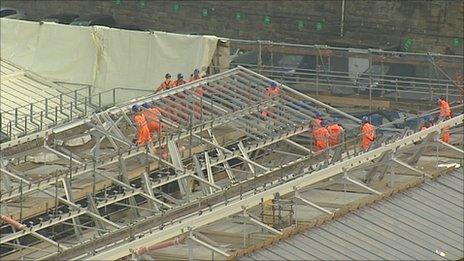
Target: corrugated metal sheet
x=417, y=224
x=19, y=89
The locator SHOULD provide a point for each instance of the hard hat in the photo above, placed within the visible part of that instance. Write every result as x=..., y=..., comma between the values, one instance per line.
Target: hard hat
x=273, y=84
x=146, y=105
x=196, y=71
x=179, y=76
x=335, y=120
x=135, y=108
x=365, y=119
x=167, y=75
x=429, y=118
x=318, y=114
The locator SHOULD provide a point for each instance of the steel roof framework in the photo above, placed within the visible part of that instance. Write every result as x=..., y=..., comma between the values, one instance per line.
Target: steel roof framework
x=126, y=176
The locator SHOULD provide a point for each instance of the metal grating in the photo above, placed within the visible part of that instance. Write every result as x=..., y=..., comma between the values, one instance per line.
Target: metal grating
x=424, y=223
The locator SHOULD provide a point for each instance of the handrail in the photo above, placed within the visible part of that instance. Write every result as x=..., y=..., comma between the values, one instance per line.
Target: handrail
x=23, y=123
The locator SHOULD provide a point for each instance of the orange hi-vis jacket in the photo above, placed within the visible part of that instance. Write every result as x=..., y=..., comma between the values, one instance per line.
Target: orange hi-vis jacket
x=335, y=131
x=178, y=83
x=445, y=110
x=272, y=92
x=317, y=122
x=153, y=122
x=167, y=84
x=321, y=137
x=445, y=135
x=194, y=78
x=368, y=135
x=143, y=133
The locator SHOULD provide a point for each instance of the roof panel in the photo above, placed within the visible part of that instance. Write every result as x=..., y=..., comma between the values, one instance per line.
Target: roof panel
x=412, y=225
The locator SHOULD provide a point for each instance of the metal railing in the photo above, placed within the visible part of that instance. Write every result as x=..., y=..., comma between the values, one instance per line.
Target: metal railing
x=325, y=69
x=384, y=86
x=61, y=108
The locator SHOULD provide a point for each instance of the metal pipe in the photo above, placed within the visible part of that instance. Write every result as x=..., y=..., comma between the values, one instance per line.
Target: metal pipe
x=15, y=224
x=172, y=242
x=343, y=18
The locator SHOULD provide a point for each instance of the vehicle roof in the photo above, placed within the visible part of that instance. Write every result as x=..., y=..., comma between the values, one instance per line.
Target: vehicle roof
x=7, y=8
x=62, y=15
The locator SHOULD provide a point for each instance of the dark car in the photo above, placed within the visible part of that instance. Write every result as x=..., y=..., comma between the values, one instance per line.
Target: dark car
x=61, y=18
x=286, y=67
x=8, y=12
x=130, y=27
x=104, y=20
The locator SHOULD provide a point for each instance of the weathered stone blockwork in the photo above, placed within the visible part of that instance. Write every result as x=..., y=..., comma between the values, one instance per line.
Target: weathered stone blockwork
x=380, y=24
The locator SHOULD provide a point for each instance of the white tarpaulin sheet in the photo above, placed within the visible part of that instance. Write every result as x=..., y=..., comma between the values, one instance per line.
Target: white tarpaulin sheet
x=103, y=57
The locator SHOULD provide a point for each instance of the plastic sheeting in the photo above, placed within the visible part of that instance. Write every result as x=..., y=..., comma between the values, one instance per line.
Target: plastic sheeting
x=103, y=57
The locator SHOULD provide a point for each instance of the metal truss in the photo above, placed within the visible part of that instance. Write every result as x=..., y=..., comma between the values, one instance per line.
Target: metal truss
x=217, y=156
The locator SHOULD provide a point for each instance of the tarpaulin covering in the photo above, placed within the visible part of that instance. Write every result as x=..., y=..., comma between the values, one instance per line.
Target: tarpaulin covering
x=103, y=57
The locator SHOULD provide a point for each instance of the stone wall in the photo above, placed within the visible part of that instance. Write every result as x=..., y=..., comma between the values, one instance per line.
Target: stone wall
x=431, y=25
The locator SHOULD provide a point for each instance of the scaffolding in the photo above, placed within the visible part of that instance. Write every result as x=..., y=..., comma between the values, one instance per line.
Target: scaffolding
x=84, y=190
x=373, y=74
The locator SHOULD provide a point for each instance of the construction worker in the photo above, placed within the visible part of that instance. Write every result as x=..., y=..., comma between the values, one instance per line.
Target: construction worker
x=321, y=137
x=318, y=120
x=445, y=133
x=336, y=132
x=368, y=133
x=179, y=81
x=272, y=91
x=152, y=115
x=166, y=84
x=195, y=76
x=445, y=110
x=426, y=123
x=143, y=133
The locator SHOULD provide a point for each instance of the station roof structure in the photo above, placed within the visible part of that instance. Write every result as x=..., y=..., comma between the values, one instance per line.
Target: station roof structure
x=219, y=157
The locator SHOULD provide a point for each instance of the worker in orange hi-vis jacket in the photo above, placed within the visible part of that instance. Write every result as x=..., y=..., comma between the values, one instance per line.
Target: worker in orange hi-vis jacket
x=426, y=123
x=368, y=133
x=143, y=133
x=445, y=110
x=445, y=133
x=195, y=76
x=166, y=84
x=180, y=80
x=336, y=132
x=272, y=91
x=318, y=119
x=152, y=115
x=321, y=137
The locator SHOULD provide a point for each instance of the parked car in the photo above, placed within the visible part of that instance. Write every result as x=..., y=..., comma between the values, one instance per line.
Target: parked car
x=104, y=20
x=64, y=18
x=8, y=12
x=284, y=66
x=130, y=27
x=382, y=77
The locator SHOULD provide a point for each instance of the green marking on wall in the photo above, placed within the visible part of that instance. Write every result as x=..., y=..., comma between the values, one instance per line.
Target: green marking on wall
x=300, y=24
x=118, y=2
x=407, y=44
x=143, y=3
x=456, y=42
x=204, y=12
x=267, y=20
x=239, y=16
x=320, y=26
x=176, y=7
